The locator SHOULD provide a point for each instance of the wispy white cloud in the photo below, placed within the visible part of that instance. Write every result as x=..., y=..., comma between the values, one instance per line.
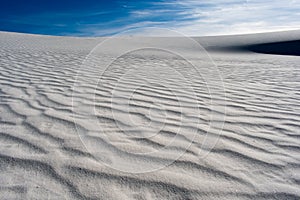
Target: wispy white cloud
x=131, y=29
x=219, y=17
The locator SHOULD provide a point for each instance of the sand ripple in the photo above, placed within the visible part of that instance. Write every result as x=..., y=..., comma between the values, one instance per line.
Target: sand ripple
x=254, y=156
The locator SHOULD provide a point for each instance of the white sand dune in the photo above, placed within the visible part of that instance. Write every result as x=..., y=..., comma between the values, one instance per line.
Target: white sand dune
x=150, y=125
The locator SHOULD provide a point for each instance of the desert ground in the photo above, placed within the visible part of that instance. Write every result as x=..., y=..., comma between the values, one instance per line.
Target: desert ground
x=150, y=118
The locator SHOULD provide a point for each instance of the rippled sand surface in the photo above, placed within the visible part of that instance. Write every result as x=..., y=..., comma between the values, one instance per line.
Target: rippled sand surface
x=150, y=125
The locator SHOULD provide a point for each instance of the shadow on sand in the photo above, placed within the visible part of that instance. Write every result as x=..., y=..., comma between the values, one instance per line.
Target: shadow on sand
x=280, y=48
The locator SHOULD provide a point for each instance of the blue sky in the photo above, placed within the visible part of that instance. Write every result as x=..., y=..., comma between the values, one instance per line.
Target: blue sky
x=189, y=17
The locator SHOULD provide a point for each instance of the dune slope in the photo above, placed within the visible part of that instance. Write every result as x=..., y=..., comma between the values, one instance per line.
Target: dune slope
x=60, y=139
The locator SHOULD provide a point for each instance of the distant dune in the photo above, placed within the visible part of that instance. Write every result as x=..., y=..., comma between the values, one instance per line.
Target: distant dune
x=150, y=123
x=280, y=43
